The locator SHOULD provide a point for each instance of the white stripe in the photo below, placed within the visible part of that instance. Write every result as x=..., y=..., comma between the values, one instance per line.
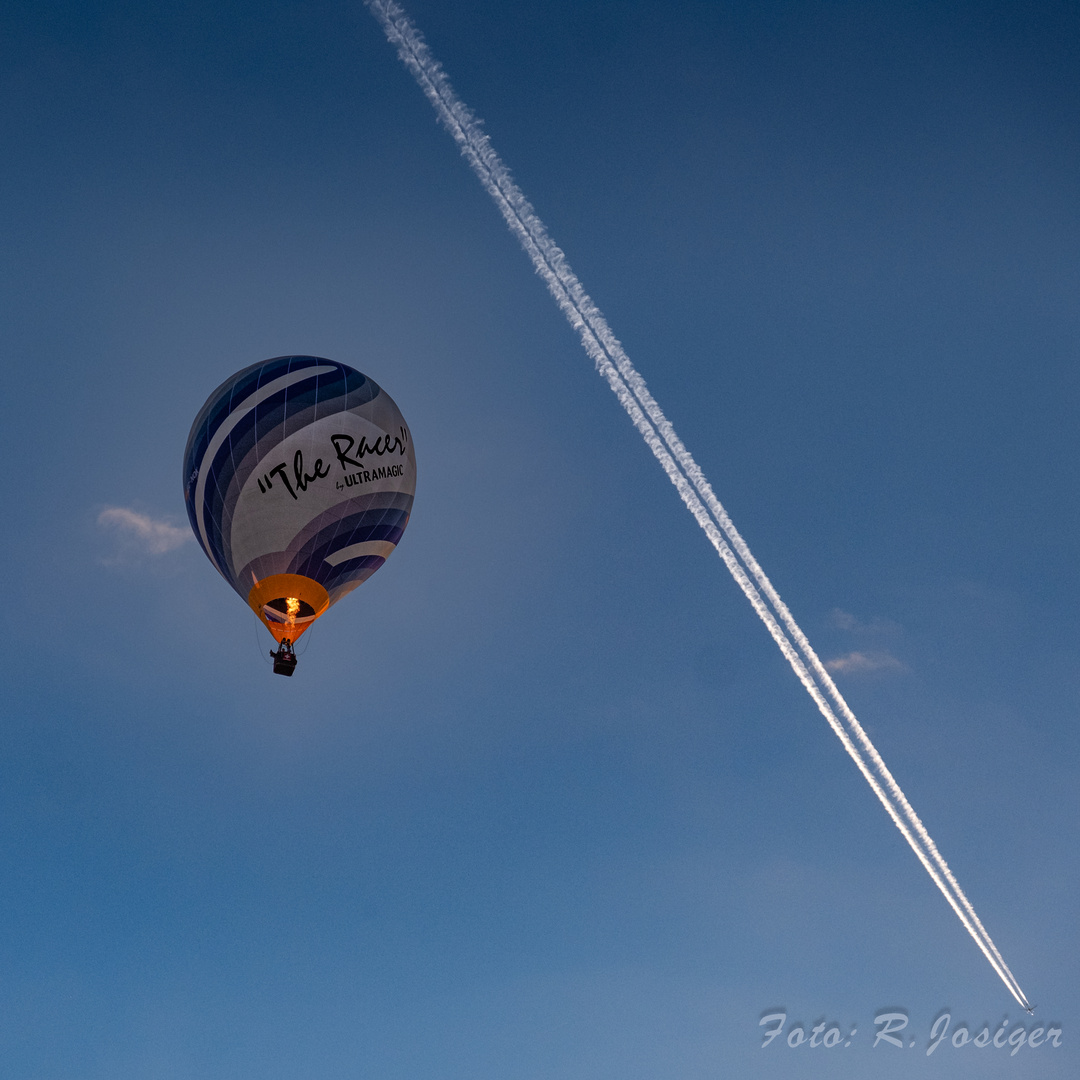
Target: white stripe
x=613, y=363
x=225, y=430
x=358, y=551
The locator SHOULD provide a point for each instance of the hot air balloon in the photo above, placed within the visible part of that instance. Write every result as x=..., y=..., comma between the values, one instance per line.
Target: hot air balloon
x=299, y=476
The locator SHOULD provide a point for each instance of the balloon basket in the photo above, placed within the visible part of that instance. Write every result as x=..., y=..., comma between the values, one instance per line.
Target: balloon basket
x=284, y=659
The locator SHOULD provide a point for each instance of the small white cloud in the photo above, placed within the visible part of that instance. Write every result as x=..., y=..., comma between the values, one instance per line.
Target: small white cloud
x=862, y=662
x=154, y=537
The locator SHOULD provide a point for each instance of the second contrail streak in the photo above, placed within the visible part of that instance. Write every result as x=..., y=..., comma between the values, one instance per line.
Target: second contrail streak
x=614, y=365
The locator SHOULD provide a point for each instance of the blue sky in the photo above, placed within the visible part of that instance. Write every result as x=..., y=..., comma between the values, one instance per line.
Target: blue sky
x=543, y=799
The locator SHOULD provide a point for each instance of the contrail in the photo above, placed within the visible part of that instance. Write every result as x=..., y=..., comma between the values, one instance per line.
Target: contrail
x=629, y=387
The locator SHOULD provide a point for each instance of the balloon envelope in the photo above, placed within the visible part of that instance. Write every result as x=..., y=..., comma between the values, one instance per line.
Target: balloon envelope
x=299, y=476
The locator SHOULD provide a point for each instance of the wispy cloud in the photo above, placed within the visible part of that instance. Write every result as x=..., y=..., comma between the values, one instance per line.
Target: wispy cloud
x=864, y=662
x=155, y=537
x=844, y=620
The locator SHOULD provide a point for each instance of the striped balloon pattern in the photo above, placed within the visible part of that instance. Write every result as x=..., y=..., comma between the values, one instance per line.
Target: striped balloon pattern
x=298, y=466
